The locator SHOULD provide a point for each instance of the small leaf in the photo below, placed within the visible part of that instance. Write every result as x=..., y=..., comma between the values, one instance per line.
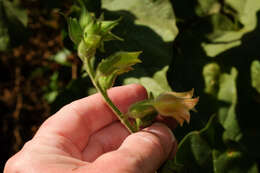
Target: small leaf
x=120, y=62
x=107, y=26
x=108, y=69
x=85, y=18
x=110, y=36
x=75, y=30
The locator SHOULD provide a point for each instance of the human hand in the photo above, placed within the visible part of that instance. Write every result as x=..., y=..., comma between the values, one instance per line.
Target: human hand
x=86, y=136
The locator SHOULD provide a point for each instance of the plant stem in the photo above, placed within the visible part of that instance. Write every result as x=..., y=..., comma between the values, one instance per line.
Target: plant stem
x=124, y=120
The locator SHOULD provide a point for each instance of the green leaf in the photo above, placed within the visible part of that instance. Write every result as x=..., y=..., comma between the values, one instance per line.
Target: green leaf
x=233, y=162
x=208, y=7
x=146, y=25
x=85, y=18
x=247, y=10
x=15, y=13
x=120, y=62
x=211, y=74
x=195, y=149
x=4, y=37
x=237, y=5
x=13, y=20
x=52, y=90
x=107, y=26
x=61, y=57
x=194, y=152
x=155, y=85
x=255, y=75
x=75, y=30
x=228, y=94
x=108, y=69
x=146, y=13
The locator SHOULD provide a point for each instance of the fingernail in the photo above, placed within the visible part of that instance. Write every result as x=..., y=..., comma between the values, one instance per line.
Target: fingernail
x=156, y=128
x=173, y=139
x=158, y=132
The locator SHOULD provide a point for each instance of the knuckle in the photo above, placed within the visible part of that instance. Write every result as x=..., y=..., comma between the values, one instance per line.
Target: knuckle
x=13, y=165
x=153, y=141
x=18, y=162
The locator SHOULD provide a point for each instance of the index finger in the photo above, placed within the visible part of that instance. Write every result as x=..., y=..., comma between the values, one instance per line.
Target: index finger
x=79, y=119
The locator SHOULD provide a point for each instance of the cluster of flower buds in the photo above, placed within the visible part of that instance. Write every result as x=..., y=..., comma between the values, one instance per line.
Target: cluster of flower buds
x=89, y=33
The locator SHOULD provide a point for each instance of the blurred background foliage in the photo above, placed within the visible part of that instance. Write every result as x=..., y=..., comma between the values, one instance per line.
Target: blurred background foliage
x=209, y=45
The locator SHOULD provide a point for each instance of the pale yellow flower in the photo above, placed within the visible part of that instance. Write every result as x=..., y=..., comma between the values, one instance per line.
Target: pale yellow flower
x=176, y=105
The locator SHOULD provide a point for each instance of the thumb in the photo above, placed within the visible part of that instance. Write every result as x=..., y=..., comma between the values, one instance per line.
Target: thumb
x=141, y=152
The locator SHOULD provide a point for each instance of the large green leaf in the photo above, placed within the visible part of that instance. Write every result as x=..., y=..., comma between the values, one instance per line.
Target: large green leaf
x=195, y=150
x=154, y=85
x=157, y=15
x=218, y=57
x=246, y=10
x=146, y=25
x=144, y=28
x=228, y=95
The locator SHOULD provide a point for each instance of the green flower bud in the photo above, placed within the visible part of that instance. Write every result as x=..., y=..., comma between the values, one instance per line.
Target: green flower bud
x=141, y=109
x=92, y=28
x=87, y=47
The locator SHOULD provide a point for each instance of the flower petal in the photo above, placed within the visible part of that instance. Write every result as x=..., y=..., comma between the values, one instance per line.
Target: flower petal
x=187, y=94
x=170, y=105
x=190, y=103
x=181, y=116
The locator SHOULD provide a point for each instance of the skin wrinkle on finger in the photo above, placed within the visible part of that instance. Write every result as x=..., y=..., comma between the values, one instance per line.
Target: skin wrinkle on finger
x=142, y=149
x=138, y=156
x=107, y=139
x=152, y=141
x=37, y=157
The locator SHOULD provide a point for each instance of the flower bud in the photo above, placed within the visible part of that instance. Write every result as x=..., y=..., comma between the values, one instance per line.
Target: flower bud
x=141, y=109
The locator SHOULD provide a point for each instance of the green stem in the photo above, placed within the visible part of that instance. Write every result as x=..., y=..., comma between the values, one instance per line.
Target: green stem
x=124, y=120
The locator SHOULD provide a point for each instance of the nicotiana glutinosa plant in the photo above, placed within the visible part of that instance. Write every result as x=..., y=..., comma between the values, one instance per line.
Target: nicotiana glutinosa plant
x=89, y=34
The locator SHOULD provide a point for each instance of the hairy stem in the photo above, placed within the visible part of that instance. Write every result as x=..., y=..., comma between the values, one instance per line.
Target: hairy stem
x=124, y=120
